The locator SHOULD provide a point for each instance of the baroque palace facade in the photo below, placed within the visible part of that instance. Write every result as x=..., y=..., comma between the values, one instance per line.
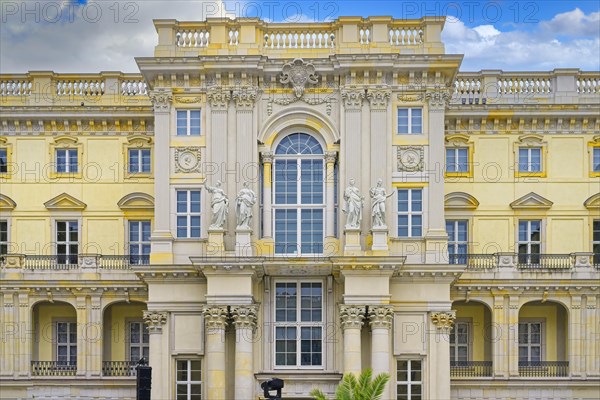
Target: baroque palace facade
x=201, y=214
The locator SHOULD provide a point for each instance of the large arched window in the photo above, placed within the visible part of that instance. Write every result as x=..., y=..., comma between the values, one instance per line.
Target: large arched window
x=298, y=195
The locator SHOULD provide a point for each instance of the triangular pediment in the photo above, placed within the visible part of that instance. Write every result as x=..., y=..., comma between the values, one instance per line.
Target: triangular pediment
x=6, y=203
x=136, y=201
x=593, y=202
x=65, y=202
x=531, y=201
x=460, y=201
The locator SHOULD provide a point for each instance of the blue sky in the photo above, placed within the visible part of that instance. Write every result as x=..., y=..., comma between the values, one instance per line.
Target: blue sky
x=91, y=36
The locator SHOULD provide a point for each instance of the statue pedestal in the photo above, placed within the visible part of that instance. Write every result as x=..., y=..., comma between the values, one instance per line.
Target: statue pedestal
x=352, y=241
x=216, y=242
x=380, y=239
x=243, y=242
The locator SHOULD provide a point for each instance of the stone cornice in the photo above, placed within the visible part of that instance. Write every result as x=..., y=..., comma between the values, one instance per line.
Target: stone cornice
x=352, y=316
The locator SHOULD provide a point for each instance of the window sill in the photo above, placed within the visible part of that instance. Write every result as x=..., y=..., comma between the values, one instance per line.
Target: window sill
x=530, y=174
x=458, y=174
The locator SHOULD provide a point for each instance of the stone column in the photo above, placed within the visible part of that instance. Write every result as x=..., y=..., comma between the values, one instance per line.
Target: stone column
x=93, y=335
x=25, y=335
x=155, y=321
x=161, y=239
x=8, y=339
x=352, y=319
x=82, y=342
x=244, y=319
x=267, y=161
x=330, y=158
x=513, y=336
x=380, y=319
x=215, y=322
x=500, y=338
x=591, y=330
x=574, y=345
x=440, y=352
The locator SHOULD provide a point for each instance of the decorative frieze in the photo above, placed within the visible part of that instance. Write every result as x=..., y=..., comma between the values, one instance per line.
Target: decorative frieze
x=187, y=159
x=244, y=316
x=352, y=316
x=215, y=317
x=219, y=99
x=155, y=320
x=443, y=320
x=161, y=99
x=353, y=98
x=381, y=316
x=410, y=158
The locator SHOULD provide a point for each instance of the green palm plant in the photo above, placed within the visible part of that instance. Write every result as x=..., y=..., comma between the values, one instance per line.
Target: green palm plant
x=363, y=387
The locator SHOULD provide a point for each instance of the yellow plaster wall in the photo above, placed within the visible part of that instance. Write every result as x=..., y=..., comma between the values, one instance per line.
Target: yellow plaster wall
x=45, y=315
x=116, y=318
x=475, y=313
x=555, y=334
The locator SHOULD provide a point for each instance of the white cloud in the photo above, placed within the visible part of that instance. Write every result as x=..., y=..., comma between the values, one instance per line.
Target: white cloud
x=99, y=36
x=557, y=43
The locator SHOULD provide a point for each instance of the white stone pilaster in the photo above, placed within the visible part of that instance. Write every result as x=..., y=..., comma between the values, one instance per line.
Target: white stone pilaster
x=575, y=343
x=589, y=348
x=267, y=162
x=82, y=342
x=155, y=320
x=244, y=320
x=351, y=158
x=352, y=319
x=380, y=139
x=9, y=333
x=25, y=335
x=380, y=320
x=94, y=338
x=440, y=350
x=513, y=336
x=215, y=322
x=500, y=338
x=330, y=158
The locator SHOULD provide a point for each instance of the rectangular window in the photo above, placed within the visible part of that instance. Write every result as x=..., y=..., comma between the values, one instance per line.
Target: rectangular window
x=3, y=237
x=3, y=161
x=138, y=341
x=530, y=341
x=188, y=122
x=139, y=161
x=596, y=241
x=457, y=159
x=457, y=241
x=410, y=212
x=67, y=242
x=188, y=384
x=66, y=343
x=530, y=241
x=459, y=343
x=409, y=381
x=66, y=161
x=410, y=121
x=595, y=159
x=139, y=242
x=188, y=213
x=298, y=324
x=530, y=159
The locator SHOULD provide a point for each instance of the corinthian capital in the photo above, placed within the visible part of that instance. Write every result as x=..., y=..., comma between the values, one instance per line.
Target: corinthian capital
x=244, y=98
x=155, y=320
x=352, y=316
x=378, y=98
x=353, y=98
x=443, y=320
x=219, y=99
x=161, y=99
x=244, y=316
x=438, y=97
x=381, y=316
x=215, y=317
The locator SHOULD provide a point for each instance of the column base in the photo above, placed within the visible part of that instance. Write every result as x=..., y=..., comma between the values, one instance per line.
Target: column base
x=243, y=242
x=352, y=241
x=380, y=239
x=216, y=242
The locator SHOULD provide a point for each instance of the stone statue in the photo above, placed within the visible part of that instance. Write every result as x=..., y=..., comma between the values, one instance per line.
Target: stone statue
x=245, y=200
x=219, y=206
x=378, y=194
x=353, y=206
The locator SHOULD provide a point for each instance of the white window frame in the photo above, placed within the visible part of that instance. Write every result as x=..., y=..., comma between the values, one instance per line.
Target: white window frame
x=456, y=165
x=140, y=243
x=299, y=206
x=596, y=240
x=529, y=159
x=188, y=213
x=410, y=125
x=189, y=382
x=529, y=345
x=298, y=324
x=70, y=325
x=139, y=168
x=455, y=345
x=141, y=345
x=528, y=242
x=454, y=242
x=410, y=213
x=68, y=153
x=409, y=382
x=4, y=244
x=188, y=120
x=67, y=242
